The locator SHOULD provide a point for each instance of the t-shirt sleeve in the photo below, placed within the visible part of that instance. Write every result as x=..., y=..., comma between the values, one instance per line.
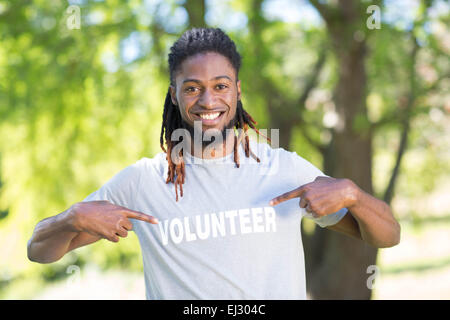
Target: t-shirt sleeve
x=121, y=188
x=306, y=173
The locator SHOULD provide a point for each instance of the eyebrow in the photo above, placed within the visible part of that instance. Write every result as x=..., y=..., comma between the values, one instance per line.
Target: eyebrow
x=215, y=78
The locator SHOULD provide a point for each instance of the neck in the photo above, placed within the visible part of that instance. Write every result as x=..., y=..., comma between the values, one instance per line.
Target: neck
x=214, y=150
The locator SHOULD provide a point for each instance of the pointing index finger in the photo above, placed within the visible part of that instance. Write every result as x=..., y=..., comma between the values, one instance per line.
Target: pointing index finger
x=140, y=216
x=285, y=196
x=296, y=193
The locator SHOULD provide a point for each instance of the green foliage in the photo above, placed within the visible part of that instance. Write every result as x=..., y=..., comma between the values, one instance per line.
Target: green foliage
x=76, y=106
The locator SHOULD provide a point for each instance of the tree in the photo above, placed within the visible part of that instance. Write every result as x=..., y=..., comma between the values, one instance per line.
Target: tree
x=338, y=266
x=71, y=101
x=196, y=13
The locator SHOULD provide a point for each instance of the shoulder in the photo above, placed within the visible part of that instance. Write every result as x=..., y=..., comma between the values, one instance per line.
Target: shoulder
x=302, y=168
x=146, y=162
x=156, y=164
x=132, y=174
x=269, y=154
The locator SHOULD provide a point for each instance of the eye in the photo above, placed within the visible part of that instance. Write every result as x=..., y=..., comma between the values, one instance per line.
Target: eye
x=190, y=89
x=221, y=86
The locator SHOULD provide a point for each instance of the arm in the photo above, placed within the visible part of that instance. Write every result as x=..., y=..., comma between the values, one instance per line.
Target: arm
x=372, y=218
x=348, y=226
x=80, y=225
x=52, y=238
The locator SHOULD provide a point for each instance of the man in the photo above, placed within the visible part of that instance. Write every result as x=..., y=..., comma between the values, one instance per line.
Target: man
x=231, y=228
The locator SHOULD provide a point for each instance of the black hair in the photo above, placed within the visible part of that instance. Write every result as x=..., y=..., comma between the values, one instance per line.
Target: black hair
x=202, y=40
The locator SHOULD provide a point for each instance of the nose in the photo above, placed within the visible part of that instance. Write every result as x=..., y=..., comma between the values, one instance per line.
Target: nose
x=207, y=99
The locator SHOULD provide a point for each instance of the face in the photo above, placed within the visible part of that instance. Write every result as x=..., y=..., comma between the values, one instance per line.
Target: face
x=206, y=90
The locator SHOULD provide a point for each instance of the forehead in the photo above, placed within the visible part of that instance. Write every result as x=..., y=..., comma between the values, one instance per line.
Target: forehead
x=205, y=66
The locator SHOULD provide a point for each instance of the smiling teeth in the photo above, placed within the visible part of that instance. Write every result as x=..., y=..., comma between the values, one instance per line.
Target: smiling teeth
x=210, y=116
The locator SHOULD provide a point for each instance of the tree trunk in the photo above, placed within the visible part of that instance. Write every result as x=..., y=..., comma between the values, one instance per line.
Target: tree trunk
x=196, y=12
x=336, y=265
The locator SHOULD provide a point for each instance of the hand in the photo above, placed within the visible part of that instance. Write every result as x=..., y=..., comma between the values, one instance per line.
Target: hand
x=106, y=220
x=323, y=196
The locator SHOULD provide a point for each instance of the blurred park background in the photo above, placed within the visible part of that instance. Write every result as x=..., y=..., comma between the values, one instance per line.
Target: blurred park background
x=358, y=88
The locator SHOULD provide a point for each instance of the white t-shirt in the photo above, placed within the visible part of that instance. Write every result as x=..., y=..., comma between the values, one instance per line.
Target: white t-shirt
x=221, y=240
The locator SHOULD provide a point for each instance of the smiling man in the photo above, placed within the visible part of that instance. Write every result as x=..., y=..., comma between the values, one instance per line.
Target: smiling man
x=235, y=231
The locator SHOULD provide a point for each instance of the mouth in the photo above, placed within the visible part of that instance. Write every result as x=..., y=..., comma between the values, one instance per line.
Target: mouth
x=209, y=118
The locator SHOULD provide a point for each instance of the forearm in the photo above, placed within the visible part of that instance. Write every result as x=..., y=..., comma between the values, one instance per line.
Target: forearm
x=51, y=238
x=376, y=222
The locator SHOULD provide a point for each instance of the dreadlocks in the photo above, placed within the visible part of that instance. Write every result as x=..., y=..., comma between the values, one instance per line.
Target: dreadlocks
x=192, y=42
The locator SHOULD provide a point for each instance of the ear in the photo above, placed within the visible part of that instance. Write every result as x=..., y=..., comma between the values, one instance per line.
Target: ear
x=238, y=84
x=173, y=95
